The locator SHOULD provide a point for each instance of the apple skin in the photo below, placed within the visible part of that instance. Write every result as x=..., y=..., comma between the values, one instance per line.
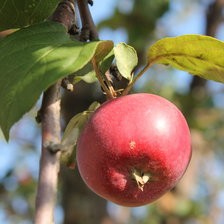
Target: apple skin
x=141, y=133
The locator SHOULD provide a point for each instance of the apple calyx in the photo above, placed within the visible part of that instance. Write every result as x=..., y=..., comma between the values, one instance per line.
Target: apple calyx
x=141, y=178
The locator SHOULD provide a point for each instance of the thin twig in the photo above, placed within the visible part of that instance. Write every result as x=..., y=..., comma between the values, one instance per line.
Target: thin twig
x=89, y=31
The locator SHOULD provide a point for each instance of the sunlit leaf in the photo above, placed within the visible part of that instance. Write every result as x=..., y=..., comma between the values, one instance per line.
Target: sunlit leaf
x=197, y=54
x=20, y=13
x=126, y=59
x=32, y=59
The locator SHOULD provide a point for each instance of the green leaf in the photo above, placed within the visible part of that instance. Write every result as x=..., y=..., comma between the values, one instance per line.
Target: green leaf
x=20, y=13
x=87, y=73
x=77, y=123
x=106, y=62
x=73, y=130
x=126, y=59
x=197, y=54
x=95, y=105
x=34, y=58
x=89, y=77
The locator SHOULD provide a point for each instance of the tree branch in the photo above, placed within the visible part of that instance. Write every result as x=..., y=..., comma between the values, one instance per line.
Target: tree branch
x=50, y=162
x=65, y=14
x=51, y=131
x=89, y=31
x=214, y=17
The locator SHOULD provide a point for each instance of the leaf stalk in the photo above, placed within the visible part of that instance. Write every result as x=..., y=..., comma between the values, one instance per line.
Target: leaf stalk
x=136, y=78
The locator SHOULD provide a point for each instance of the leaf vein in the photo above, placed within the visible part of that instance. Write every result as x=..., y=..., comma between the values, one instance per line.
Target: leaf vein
x=164, y=56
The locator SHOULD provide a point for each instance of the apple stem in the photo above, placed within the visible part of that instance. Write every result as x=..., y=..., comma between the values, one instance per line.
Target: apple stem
x=140, y=178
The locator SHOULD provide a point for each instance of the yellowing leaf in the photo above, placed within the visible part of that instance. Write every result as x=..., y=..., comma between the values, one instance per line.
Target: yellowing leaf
x=197, y=54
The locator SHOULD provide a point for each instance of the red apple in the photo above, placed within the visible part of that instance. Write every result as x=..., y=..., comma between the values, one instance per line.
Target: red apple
x=134, y=149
